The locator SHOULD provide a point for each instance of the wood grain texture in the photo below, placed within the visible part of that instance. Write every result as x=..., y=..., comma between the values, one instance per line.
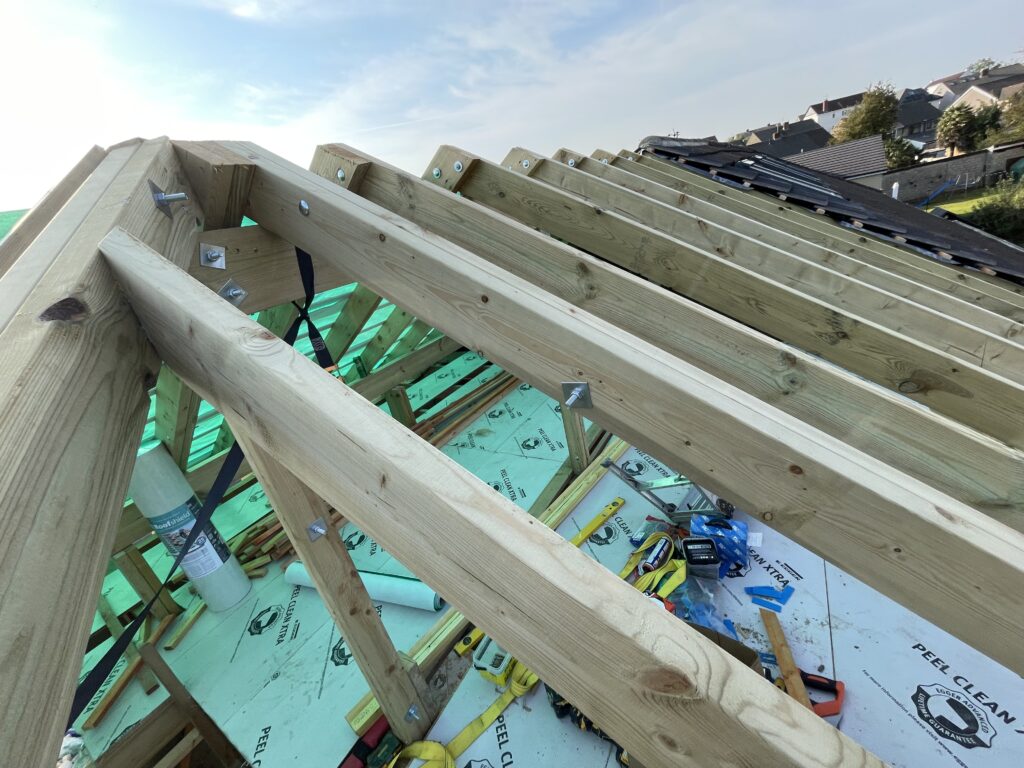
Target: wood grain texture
x=177, y=410
x=825, y=232
x=75, y=373
x=359, y=307
x=382, y=341
x=264, y=265
x=219, y=178
x=337, y=581
x=784, y=656
x=400, y=408
x=810, y=486
x=756, y=234
x=32, y=223
x=652, y=682
x=974, y=468
x=38, y=256
x=978, y=398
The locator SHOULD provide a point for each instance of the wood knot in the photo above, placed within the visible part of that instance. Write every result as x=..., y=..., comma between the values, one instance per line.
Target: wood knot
x=796, y=469
x=668, y=681
x=68, y=310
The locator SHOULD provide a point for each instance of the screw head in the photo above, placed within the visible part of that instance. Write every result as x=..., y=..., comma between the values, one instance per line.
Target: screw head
x=234, y=293
x=572, y=162
x=413, y=713
x=303, y=207
x=526, y=163
x=437, y=173
x=210, y=256
x=458, y=166
x=604, y=160
x=341, y=174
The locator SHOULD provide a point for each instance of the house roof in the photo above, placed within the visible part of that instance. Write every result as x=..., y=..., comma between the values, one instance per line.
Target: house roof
x=851, y=158
x=993, y=81
x=845, y=201
x=914, y=112
x=783, y=139
x=830, y=105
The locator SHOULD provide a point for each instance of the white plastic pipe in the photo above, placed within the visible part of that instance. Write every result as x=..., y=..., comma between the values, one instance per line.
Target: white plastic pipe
x=381, y=588
x=163, y=495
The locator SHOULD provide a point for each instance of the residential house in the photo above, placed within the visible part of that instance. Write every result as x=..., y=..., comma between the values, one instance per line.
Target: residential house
x=781, y=139
x=829, y=112
x=985, y=84
x=916, y=120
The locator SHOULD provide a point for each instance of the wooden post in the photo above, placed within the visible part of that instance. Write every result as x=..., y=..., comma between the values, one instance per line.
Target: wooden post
x=575, y=439
x=330, y=566
x=177, y=410
x=68, y=443
x=222, y=749
x=401, y=410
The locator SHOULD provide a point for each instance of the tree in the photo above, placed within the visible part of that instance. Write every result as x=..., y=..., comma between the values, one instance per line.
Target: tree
x=1010, y=125
x=1002, y=214
x=875, y=114
x=899, y=153
x=977, y=67
x=958, y=128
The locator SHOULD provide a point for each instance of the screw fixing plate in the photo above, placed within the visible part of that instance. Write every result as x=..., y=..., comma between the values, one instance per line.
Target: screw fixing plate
x=317, y=529
x=233, y=293
x=214, y=256
x=576, y=394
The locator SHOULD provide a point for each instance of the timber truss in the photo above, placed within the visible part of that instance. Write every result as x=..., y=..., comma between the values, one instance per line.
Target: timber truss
x=862, y=400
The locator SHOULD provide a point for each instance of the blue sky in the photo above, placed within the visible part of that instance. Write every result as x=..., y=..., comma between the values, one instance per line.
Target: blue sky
x=396, y=79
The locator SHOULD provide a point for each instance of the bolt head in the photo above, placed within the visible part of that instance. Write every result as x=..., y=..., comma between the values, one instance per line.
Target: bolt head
x=526, y=163
x=572, y=162
x=436, y=173
x=303, y=207
x=341, y=174
x=458, y=166
x=604, y=160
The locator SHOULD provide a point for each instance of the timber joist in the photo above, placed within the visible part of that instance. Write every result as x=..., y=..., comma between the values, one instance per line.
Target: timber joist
x=769, y=354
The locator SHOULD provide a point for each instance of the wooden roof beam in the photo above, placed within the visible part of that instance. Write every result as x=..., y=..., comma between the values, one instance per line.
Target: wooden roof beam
x=974, y=468
x=762, y=459
x=773, y=232
x=1003, y=298
x=651, y=682
x=975, y=397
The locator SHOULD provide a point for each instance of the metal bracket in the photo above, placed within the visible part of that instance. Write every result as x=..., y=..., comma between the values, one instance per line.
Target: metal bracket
x=576, y=394
x=214, y=256
x=162, y=200
x=233, y=293
x=317, y=529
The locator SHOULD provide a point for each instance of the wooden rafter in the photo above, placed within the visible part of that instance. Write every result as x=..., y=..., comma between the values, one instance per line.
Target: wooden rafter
x=972, y=467
x=666, y=677
x=978, y=398
x=678, y=413
x=870, y=250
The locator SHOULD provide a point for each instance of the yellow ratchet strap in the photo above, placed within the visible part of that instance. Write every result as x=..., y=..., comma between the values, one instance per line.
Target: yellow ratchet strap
x=437, y=755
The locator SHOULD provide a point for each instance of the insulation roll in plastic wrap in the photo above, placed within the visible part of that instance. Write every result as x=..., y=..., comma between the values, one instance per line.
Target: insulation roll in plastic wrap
x=381, y=588
x=163, y=495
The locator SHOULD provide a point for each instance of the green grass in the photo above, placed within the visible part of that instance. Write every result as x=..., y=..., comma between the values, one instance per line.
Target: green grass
x=8, y=220
x=961, y=203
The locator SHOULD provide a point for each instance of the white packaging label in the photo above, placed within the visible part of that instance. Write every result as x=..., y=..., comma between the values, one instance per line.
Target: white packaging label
x=208, y=551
